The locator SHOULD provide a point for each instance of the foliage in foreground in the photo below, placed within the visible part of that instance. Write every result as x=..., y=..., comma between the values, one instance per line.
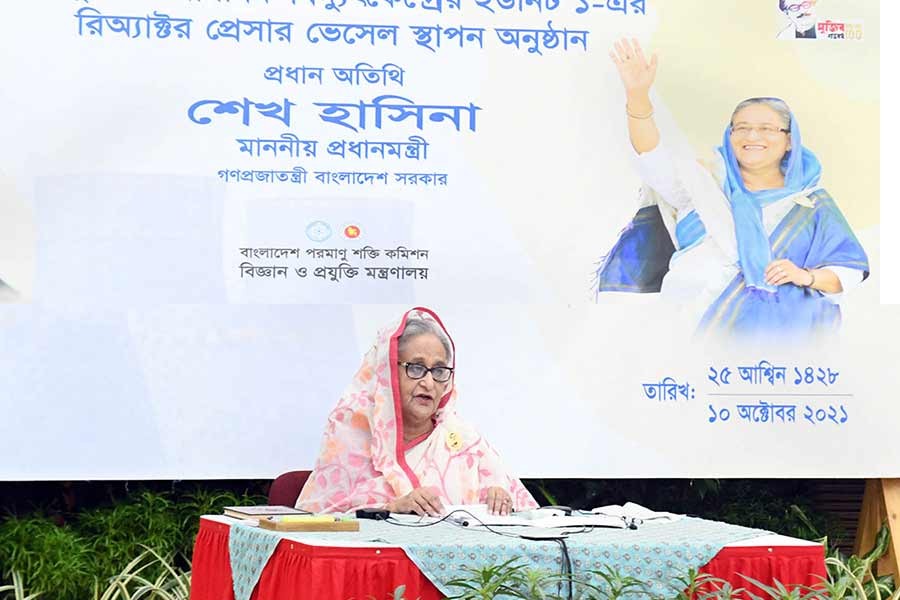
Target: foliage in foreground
x=76, y=559
x=848, y=579
x=152, y=576
x=133, y=583
x=92, y=556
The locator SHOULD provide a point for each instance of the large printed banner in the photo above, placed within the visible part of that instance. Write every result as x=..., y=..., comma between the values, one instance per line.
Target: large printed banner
x=209, y=207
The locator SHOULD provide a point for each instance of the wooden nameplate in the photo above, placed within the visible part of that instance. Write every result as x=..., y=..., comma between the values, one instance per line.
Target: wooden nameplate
x=273, y=525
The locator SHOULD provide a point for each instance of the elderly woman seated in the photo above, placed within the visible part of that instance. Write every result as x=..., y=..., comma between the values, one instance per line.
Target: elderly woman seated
x=395, y=441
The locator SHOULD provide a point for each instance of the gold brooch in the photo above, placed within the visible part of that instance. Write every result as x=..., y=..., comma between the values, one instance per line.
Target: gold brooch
x=453, y=441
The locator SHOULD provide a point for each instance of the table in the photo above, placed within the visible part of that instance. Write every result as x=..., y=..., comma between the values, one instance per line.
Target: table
x=360, y=571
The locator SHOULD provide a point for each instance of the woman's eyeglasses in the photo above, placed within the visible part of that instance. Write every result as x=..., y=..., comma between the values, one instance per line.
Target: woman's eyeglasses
x=763, y=130
x=418, y=371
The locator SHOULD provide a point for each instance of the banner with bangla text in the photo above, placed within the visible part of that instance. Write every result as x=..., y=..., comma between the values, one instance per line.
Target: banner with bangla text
x=208, y=208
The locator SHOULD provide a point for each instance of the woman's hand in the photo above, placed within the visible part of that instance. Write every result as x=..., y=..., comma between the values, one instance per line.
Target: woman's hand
x=783, y=271
x=422, y=501
x=498, y=501
x=637, y=76
x=636, y=72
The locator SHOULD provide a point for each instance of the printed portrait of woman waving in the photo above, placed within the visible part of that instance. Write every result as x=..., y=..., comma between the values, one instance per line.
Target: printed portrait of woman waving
x=747, y=244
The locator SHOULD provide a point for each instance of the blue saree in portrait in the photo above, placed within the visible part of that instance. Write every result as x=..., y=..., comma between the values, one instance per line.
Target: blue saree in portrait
x=809, y=236
x=640, y=258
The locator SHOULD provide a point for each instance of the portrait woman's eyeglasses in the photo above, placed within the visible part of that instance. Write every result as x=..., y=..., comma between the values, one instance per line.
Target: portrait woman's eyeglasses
x=763, y=130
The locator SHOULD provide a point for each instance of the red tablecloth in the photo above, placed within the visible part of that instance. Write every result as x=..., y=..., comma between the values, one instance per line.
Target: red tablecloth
x=298, y=570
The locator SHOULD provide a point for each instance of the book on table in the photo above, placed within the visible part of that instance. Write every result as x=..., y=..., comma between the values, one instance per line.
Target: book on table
x=309, y=523
x=261, y=511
